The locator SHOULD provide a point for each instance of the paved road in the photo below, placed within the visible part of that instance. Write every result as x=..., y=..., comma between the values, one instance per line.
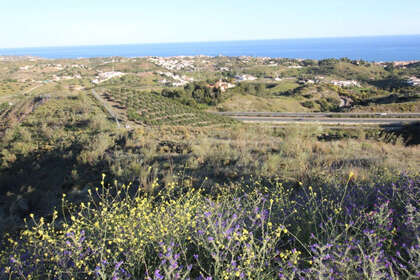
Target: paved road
x=330, y=121
x=319, y=115
x=391, y=119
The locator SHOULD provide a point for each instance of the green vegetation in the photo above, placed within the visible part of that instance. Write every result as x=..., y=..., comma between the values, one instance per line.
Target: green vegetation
x=191, y=194
x=4, y=107
x=153, y=109
x=252, y=231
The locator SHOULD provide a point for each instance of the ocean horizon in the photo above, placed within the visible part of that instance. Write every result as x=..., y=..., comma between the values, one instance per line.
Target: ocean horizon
x=374, y=48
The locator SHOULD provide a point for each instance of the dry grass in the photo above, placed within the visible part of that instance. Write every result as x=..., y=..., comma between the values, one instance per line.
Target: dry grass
x=251, y=103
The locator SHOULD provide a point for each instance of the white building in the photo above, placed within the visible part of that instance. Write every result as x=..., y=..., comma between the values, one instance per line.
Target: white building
x=352, y=83
x=414, y=81
x=245, y=77
x=102, y=77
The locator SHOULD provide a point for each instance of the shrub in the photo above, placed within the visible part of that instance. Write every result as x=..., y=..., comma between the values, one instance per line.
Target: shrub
x=235, y=233
x=308, y=104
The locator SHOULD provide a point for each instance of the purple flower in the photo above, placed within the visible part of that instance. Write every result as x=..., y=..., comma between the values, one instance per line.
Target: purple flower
x=97, y=269
x=174, y=264
x=158, y=275
x=118, y=265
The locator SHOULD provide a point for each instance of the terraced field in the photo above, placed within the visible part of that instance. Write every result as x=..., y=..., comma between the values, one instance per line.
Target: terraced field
x=151, y=109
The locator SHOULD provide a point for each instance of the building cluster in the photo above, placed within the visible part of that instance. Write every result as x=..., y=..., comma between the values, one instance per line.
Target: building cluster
x=226, y=69
x=404, y=63
x=60, y=78
x=177, y=80
x=26, y=67
x=17, y=58
x=308, y=82
x=174, y=63
x=245, y=77
x=414, y=81
x=104, y=76
x=54, y=66
x=223, y=86
x=352, y=83
x=81, y=66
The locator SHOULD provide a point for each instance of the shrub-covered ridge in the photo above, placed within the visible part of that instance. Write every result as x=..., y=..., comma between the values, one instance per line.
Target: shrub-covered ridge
x=252, y=232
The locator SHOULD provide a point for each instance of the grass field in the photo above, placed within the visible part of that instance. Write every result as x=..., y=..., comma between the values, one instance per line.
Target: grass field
x=251, y=103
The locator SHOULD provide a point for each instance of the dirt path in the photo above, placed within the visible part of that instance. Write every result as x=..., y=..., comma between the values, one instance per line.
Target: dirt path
x=5, y=97
x=107, y=109
x=32, y=89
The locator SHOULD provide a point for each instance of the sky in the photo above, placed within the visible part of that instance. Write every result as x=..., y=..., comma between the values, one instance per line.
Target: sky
x=40, y=23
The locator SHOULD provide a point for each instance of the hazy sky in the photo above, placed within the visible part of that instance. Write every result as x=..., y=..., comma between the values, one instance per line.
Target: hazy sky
x=29, y=23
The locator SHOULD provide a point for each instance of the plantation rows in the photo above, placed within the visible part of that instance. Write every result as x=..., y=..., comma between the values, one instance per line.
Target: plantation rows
x=153, y=109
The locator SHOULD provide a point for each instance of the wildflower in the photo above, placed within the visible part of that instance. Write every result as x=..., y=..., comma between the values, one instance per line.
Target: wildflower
x=158, y=275
x=118, y=265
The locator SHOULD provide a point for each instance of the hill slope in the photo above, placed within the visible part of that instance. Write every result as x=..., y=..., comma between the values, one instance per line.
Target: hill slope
x=151, y=109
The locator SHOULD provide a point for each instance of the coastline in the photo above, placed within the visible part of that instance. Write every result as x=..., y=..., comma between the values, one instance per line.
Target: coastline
x=373, y=49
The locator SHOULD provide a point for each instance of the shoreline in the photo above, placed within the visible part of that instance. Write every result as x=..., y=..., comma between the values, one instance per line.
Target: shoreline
x=371, y=49
x=398, y=63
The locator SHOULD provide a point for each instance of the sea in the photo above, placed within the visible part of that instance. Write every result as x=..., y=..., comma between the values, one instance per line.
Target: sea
x=380, y=48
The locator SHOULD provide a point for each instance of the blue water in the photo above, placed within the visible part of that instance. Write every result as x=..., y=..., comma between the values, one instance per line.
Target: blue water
x=384, y=48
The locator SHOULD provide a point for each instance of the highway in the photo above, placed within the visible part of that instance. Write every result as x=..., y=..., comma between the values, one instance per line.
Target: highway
x=394, y=119
x=319, y=115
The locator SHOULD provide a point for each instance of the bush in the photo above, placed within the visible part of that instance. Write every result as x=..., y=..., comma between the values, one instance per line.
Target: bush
x=4, y=106
x=308, y=104
x=251, y=232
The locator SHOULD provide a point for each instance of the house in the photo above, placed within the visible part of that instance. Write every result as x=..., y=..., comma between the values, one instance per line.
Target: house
x=352, y=83
x=223, y=86
x=307, y=81
x=245, y=77
x=102, y=77
x=414, y=81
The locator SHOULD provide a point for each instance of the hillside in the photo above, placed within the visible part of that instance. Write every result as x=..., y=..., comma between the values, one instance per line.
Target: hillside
x=118, y=167
x=150, y=109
